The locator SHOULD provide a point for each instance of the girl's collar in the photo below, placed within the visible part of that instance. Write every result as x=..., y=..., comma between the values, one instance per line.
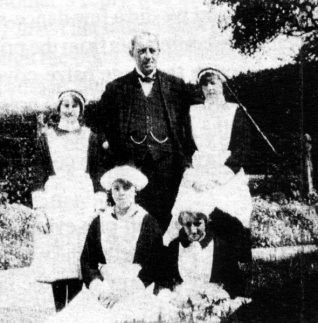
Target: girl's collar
x=215, y=103
x=68, y=127
x=129, y=214
x=183, y=238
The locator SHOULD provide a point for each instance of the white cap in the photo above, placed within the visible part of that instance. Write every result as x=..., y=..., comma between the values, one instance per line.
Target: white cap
x=194, y=202
x=127, y=173
x=188, y=200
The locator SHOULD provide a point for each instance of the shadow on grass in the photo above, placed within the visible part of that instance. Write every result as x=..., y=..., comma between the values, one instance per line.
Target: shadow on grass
x=282, y=291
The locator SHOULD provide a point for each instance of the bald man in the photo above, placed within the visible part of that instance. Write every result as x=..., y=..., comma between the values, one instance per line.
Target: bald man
x=145, y=117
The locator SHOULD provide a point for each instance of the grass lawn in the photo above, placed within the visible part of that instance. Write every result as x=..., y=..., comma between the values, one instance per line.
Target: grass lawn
x=23, y=314
x=283, y=291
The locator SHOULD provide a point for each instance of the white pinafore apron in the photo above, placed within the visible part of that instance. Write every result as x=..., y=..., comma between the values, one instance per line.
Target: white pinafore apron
x=69, y=205
x=212, y=129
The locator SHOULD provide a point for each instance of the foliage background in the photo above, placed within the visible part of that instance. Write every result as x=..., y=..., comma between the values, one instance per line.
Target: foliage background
x=272, y=225
x=282, y=101
x=257, y=22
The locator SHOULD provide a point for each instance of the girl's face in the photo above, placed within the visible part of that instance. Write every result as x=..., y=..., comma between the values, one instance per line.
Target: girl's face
x=69, y=109
x=212, y=88
x=123, y=194
x=194, y=227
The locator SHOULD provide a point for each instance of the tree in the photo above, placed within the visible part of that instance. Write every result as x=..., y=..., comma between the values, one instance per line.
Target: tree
x=255, y=22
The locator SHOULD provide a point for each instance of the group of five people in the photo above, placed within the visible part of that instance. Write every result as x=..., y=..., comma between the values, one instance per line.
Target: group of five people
x=177, y=201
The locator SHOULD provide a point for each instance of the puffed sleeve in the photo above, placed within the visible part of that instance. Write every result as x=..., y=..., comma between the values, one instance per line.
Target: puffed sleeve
x=42, y=163
x=92, y=254
x=189, y=144
x=171, y=276
x=231, y=229
x=99, y=158
x=149, y=251
x=43, y=168
x=104, y=111
x=240, y=142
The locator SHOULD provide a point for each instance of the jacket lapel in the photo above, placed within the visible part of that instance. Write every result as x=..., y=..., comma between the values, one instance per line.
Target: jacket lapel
x=131, y=87
x=165, y=91
x=165, y=88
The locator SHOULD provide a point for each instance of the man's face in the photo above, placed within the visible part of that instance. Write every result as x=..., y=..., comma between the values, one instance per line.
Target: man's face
x=146, y=53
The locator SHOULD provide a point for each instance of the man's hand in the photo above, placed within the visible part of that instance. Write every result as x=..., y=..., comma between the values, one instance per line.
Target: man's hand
x=42, y=222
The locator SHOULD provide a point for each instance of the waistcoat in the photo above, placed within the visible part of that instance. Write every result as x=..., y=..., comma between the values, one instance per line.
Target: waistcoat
x=149, y=129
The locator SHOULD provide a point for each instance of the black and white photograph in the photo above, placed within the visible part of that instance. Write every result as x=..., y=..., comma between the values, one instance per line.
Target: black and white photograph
x=159, y=161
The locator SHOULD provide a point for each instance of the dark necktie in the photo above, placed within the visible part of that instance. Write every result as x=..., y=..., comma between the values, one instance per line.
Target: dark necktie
x=146, y=79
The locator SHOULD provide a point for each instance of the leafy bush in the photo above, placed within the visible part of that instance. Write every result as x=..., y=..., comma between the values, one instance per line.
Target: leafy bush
x=16, y=227
x=284, y=224
x=272, y=225
x=18, y=182
x=17, y=148
x=18, y=133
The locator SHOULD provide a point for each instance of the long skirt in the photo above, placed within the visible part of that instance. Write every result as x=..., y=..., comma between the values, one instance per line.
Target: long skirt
x=232, y=197
x=141, y=306
x=69, y=205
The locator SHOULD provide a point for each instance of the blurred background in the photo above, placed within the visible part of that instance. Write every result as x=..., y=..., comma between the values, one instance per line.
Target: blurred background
x=48, y=47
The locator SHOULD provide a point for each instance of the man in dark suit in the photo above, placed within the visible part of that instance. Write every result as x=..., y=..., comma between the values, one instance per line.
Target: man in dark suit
x=145, y=117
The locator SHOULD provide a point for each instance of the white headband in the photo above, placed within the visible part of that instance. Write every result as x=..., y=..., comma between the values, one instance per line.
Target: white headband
x=77, y=94
x=212, y=71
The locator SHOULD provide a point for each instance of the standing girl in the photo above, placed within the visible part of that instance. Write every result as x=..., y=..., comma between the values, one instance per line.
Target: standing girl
x=217, y=177
x=68, y=168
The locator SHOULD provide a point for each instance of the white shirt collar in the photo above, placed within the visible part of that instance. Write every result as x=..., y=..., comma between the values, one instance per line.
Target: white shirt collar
x=64, y=125
x=143, y=75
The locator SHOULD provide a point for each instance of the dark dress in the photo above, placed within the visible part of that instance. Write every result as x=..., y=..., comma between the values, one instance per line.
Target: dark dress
x=96, y=167
x=223, y=230
x=240, y=142
x=147, y=250
x=67, y=174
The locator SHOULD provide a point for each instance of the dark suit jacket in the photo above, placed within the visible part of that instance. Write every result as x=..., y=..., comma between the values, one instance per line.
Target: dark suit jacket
x=225, y=269
x=115, y=114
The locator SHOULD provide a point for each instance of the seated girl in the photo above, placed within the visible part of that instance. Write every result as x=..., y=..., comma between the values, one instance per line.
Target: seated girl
x=204, y=251
x=121, y=252
x=124, y=234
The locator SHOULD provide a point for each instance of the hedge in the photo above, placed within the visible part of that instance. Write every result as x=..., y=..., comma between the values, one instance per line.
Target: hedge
x=286, y=224
x=272, y=225
x=16, y=236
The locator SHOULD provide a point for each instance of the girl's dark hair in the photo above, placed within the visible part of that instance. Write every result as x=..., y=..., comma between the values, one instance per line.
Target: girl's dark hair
x=203, y=78
x=125, y=183
x=206, y=77
x=54, y=117
x=110, y=200
x=193, y=215
x=76, y=100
